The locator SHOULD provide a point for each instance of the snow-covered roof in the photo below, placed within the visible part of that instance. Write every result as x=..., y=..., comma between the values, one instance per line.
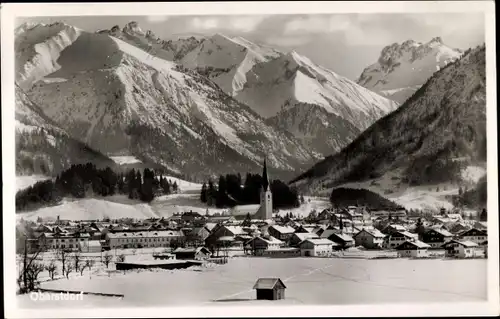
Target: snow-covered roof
x=443, y=232
x=271, y=240
x=146, y=234
x=303, y=236
x=93, y=243
x=372, y=231
x=319, y=241
x=236, y=230
x=344, y=237
x=283, y=229
x=268, y=283
x=417, y=243
x=465, y=243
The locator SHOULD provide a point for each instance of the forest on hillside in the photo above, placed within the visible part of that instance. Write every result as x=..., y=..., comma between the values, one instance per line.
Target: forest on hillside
x=80, y=181
x=344, y=197
x=229, y=192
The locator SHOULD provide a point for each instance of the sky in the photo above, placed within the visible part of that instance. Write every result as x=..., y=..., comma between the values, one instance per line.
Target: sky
x=344, y=43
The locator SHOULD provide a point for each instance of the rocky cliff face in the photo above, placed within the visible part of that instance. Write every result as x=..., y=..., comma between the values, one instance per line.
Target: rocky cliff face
x=402, y=68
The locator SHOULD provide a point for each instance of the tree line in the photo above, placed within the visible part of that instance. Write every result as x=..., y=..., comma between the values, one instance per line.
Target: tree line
x=231, y=191
x=85, y=180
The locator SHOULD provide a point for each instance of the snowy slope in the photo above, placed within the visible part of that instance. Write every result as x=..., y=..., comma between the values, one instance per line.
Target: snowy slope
x=436, y=136
x=90, y=209
x=44, y=148
x=402, y=68
x=121, y=100
x=228, y=61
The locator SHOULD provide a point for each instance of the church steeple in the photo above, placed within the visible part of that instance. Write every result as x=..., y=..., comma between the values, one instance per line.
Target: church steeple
x=265, y=178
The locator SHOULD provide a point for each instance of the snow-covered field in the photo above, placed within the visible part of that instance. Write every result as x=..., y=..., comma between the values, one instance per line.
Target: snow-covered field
x=310, y=204
x=308, y=281
x=26, y=181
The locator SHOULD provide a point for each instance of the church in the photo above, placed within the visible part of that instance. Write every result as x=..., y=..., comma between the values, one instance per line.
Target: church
x=262, y=211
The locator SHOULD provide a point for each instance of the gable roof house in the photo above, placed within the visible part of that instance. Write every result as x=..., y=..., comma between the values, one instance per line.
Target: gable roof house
x=415, y=249
x=369, y=238
x=299, y=237
x=281, y=232
x=345, y=241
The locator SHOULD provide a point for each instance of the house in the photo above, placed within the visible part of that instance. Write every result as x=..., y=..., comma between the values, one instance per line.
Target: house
x=258, y=245
x=393, y=228
x=436, y=237
x=298, y=237
x=270, y=289
x=90, y=246
x=343, y=240
x=461, y=249
x=62, y=240
x=143, y=239
x=475, y=235
x=281, y=232
x=212, y=240
x=199, y=253
x=282, y=252
x=415, y=249
x=371, y=239
x=318, y=230
x=397, y=238
x=312, y=247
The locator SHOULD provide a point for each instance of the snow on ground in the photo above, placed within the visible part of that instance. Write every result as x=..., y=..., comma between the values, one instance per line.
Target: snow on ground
x=26, y=181
x=310, y=204
x=166, y=206
x=308, y=281
x=122, y=160
x=185, y=186
x=411, y=197
x=90, y=209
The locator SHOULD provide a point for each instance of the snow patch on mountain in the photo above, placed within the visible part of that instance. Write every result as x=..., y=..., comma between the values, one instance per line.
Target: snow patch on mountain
x=122, y=160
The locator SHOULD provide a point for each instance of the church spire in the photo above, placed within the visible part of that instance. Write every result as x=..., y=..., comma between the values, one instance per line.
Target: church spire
x=265, y=178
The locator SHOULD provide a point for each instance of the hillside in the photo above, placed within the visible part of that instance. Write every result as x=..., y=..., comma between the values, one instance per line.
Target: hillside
x=430, y=139
x=123, y=101
x=403, y=68
x=42, y=148
x=345, y=197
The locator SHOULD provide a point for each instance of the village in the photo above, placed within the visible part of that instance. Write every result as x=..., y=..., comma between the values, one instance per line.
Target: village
x=242, y=235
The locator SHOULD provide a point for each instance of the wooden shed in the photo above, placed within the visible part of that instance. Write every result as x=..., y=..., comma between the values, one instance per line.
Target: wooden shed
x=270, y=289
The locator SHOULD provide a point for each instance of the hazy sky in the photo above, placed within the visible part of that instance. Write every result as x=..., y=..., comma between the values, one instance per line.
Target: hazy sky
x=344, y=43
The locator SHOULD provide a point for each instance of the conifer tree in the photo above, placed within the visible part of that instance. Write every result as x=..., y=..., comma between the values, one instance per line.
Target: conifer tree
x=203, y=195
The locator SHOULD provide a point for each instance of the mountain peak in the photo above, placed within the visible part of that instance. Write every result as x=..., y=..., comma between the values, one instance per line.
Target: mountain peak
x=133, y=27
x=436, y=40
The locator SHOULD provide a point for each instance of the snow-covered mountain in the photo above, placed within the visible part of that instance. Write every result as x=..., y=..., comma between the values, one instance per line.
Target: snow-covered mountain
x=121, y=100
x=316, y=105
x=227, y=61
x=403, y=68
x=171, y=50
x=44, y=148
x=434, y=137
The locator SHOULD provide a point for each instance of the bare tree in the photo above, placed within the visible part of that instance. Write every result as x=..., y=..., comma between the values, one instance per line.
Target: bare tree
x=69, y=269
x=77, y=260
x=62, y=256
x=81, y=267
x=106, y=259
x=134, y=251
x=28, y=276
x=89, y=263
x=120, y=258
x=52, y=269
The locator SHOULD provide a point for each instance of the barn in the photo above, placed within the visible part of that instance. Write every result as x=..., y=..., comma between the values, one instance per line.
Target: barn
x=270, y=289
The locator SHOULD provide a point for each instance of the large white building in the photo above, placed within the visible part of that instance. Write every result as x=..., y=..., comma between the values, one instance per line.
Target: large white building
x=142, y=239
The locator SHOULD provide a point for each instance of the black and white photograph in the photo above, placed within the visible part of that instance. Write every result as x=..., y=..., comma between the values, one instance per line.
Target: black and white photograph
x=239, y=158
